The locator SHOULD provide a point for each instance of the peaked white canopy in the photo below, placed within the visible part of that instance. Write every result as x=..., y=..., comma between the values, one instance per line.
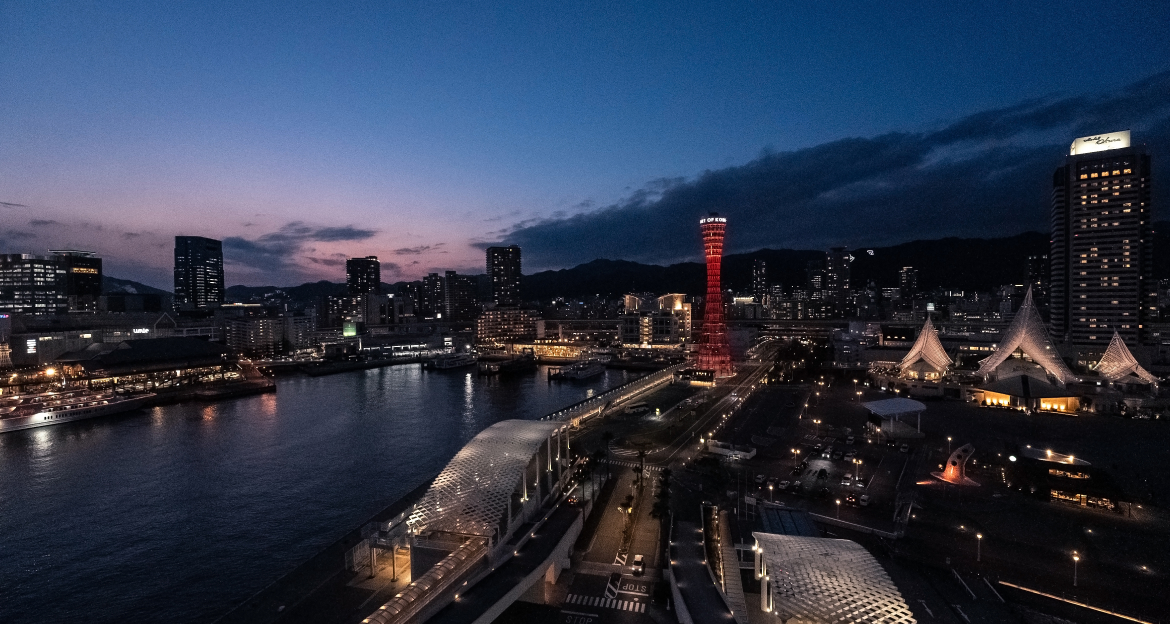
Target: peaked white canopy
x=927, y=349
x=1119, y=362
x=1028, y=334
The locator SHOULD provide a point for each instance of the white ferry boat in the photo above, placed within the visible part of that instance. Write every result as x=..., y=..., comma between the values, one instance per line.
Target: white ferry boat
x=451, y=360
x=54, y=408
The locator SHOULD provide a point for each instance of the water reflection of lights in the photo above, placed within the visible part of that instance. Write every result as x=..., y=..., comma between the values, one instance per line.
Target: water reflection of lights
x=208, y=412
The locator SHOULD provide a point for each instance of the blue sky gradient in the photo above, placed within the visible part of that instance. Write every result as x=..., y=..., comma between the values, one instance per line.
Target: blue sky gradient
x=428, y=129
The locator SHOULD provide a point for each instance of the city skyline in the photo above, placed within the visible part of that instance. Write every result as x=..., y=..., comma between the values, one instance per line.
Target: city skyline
x=298, y=154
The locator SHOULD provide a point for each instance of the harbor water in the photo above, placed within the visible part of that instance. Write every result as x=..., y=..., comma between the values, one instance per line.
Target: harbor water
x=178, y=513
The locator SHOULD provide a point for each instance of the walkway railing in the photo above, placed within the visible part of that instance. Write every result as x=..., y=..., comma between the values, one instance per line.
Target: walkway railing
x=615, y=395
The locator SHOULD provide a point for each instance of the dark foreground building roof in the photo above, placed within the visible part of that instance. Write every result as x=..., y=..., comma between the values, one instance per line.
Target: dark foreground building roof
x=148, y=355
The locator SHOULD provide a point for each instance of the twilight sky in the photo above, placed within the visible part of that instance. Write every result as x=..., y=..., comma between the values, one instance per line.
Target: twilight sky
x=302, y=133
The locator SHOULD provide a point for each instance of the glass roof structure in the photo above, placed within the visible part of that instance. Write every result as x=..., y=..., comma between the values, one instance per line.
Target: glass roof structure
x=817, y=580
x=927, y=349
x=472, y=493
x=1028, y=334
x=1118, y=362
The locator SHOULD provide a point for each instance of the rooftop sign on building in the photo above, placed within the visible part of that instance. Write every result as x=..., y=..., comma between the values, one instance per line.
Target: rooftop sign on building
x=1100, y=143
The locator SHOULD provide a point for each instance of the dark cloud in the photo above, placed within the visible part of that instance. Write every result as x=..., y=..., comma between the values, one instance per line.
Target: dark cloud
x=347, y=233
x=18, y=235
x=12, y=205
x=43, y=222
x=987, y=174
x=279, y=251
x=414, y=251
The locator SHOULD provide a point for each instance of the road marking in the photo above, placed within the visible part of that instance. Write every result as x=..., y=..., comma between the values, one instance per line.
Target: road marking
x=590, y=615
x=606, y=603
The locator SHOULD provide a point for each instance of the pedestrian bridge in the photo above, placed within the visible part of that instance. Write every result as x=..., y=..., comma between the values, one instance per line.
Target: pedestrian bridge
x=481, y=511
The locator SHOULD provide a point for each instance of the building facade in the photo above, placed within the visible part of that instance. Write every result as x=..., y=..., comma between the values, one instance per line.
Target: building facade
x=198, y=273
x=83, y=278
x=1102, y=244
x=363, y=275
x=31, y=284
x=498, y=326
x=503, y=270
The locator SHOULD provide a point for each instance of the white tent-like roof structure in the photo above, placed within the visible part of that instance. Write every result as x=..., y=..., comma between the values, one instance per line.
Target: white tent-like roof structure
x=472, y=494
x=1028, y=334
x=927, y=349
x=816, y=580
x=1118, y=362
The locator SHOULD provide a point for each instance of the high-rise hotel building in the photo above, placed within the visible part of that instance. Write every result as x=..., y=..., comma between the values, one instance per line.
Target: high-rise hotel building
x=198, y=273
x=1102, y=243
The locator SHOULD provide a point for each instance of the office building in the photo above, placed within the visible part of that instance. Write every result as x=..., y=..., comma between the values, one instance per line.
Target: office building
x=678, y=305
x=363, y=275
x=431, y=296
x=908, y=281
x=503, y=269
x=649, y=329
x=459, y=297
x=83, y=278
x=760, y=281
x=198, y=273
x=32, y=284
x=1102, y=244
x=836, y=280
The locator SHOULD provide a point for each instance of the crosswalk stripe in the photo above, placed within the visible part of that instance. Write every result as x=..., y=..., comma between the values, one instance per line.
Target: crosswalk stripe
x=606, y=602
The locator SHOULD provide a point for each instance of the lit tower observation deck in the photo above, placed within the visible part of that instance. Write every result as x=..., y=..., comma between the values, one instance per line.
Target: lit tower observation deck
x=714, y=350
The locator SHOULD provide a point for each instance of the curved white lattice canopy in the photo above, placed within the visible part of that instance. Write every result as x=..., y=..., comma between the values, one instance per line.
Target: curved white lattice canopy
x=1118, y=362
x=829, y=581
x=927, y=349
x=472, y=494
x=1028, y=334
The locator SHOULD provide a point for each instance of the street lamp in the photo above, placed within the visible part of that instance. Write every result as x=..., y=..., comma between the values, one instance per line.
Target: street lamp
x=978, y=547
x=818, y=424
x=770, y=493
x=948, y=446
x=839, y=512
x=1076, y=559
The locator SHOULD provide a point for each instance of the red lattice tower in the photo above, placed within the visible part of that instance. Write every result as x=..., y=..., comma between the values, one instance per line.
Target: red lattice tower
x=714, y=350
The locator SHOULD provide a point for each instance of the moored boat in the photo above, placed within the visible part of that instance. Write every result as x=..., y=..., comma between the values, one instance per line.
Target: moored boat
x=54, y=408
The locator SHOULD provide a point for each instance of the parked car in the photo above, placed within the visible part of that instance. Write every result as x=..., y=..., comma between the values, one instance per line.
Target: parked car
x=847, y=479
x=797, y=487
x=851, y=499
x=849, y=440
x=783, y=485
x=796, y=471
x=838, y=455
x=822, y=474
x=864, y=500
x=639, y=565
x=850, y=456
x=823, y=492
x=759, y=479
x=905, y=448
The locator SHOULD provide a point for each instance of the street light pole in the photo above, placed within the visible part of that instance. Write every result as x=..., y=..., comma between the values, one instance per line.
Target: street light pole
x=978, y=547
x=1076, y=559
x=839, y=512
x=948, y=446
x=770, y=500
